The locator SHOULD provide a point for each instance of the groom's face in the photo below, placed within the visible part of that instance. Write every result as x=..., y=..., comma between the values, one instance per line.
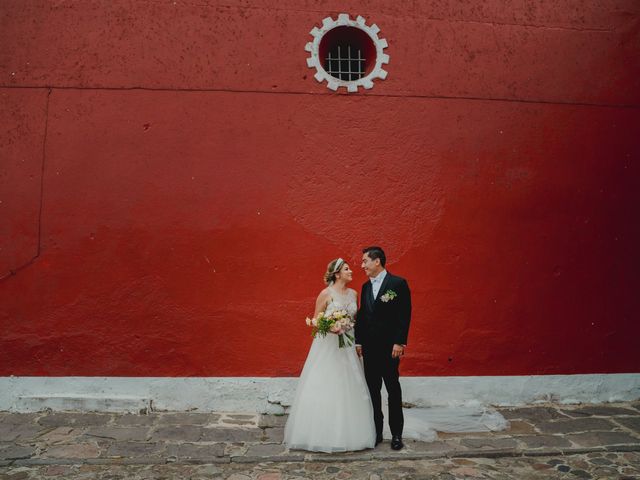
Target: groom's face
x=370, y=267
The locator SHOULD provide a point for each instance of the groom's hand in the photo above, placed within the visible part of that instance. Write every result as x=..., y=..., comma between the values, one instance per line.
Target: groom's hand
x=359, y=350
x=398, y=351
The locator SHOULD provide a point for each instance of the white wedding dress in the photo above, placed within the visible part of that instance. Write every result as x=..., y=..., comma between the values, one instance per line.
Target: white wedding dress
x=331, y=410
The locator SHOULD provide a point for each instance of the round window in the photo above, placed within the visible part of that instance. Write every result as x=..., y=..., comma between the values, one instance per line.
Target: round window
x=347, y=53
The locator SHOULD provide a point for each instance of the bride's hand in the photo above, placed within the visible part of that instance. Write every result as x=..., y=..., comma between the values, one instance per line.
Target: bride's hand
x=359, y=350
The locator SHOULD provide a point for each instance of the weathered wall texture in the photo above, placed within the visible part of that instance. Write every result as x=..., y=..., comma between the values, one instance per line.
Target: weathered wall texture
x=173, y=182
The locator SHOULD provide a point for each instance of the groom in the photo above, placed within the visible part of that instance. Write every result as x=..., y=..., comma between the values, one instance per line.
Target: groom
x=381, y=330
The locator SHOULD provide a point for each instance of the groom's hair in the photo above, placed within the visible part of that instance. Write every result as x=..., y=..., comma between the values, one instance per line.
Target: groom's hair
x=375, y=252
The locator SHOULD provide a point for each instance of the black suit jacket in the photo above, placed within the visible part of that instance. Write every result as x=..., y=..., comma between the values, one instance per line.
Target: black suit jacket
x=381, y=323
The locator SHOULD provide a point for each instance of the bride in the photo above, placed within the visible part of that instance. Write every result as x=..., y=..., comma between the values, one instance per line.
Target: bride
x=331, y=410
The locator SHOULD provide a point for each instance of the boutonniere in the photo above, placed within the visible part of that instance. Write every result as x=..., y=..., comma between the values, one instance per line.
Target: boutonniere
x=388, y=296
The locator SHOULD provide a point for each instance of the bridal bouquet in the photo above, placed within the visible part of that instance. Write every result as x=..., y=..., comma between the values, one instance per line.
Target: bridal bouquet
x=338, y=322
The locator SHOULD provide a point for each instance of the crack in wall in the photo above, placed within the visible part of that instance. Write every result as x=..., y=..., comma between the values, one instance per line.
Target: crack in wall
x=14, y=271
x=368, y=95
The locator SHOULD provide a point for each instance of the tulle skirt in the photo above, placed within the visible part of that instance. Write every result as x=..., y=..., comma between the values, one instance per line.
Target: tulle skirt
x=331, y=410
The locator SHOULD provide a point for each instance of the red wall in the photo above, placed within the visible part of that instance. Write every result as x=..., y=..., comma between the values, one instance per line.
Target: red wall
x=173, y=182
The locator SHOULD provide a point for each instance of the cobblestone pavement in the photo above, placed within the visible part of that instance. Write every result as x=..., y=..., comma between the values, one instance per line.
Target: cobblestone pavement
x=596, y=465
x=544, y=441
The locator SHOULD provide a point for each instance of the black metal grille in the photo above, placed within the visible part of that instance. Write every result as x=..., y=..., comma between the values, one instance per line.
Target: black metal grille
x=350, y=67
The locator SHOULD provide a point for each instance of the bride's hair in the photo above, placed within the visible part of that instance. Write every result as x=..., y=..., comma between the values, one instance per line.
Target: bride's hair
x=332, y=269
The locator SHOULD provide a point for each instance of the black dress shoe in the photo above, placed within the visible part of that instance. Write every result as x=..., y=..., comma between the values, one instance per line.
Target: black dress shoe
x=396, y=442
x=378, y=439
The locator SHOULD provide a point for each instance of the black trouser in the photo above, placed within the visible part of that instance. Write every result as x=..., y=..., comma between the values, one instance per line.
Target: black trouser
x=379, y=366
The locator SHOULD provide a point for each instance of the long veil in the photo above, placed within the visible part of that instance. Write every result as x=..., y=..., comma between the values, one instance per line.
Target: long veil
x=422, y=423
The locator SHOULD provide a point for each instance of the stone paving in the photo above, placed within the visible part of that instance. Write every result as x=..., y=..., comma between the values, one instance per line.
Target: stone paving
x=596, y=465
x=543, y=441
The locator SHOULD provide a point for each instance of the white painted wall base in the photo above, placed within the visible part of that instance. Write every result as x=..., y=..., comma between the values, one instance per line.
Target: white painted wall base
x=87, y=403
x=274, y=395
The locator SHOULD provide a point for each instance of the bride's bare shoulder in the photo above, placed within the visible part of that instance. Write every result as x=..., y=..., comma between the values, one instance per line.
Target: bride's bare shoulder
x=326, y=292
x=352, y=292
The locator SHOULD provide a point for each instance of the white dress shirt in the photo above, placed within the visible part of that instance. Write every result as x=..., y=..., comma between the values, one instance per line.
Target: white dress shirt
x=376, y=283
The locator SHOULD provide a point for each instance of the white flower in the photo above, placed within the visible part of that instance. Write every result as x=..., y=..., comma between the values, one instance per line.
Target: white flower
x=388, y=296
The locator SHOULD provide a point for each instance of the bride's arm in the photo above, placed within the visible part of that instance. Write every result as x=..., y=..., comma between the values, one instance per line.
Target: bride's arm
x=354, y=294
x=321, y=302
x=356, y=330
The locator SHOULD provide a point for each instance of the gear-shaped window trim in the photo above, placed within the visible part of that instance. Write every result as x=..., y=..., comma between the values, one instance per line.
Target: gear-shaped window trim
x=334, y=83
